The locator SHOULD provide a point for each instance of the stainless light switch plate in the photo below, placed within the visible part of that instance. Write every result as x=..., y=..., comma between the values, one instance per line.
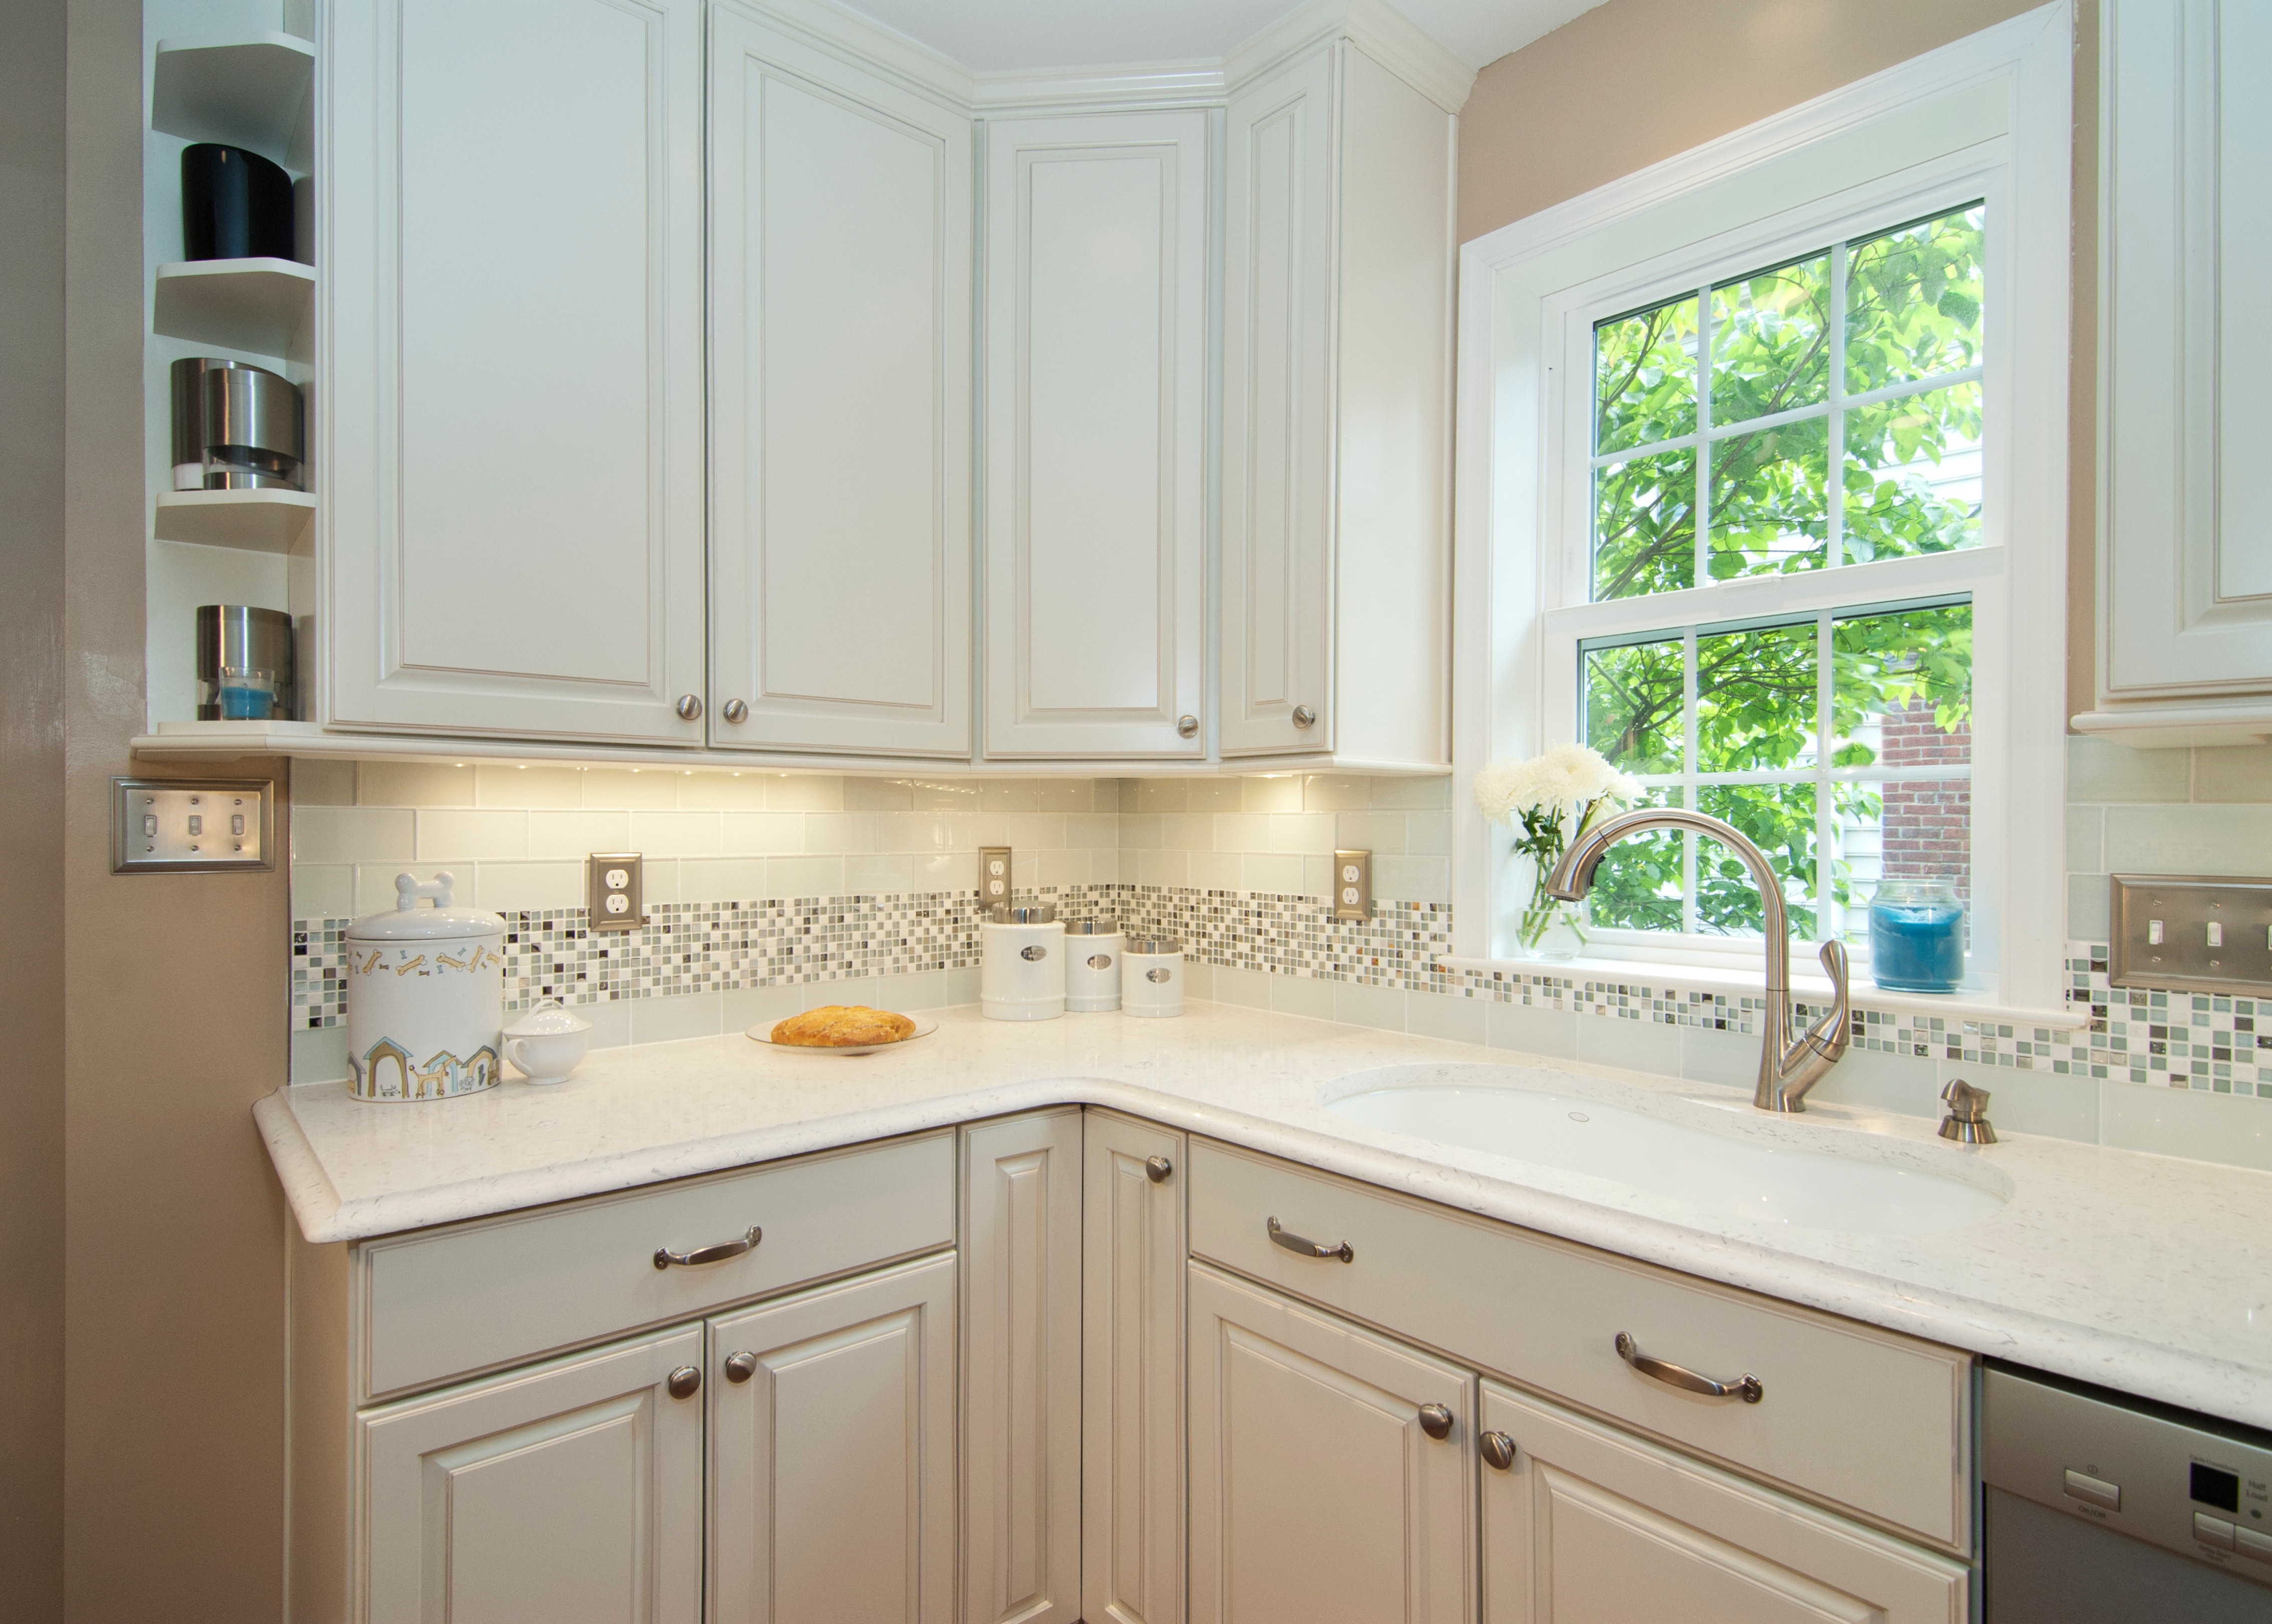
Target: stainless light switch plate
x=995, y=876
x=2196, y=933
x=1352, y=885
x=190, y=826
x=614, y=891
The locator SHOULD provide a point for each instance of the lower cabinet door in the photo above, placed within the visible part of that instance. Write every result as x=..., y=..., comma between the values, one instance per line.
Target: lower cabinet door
x=1021, y=1358
x=570, y=1493
x=1320, y=1493
x=1132, y=1413
x=832, y=1454
x=1588, y=1525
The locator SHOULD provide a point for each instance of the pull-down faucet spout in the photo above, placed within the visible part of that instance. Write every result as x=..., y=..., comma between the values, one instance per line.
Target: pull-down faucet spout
x=1787, y=1066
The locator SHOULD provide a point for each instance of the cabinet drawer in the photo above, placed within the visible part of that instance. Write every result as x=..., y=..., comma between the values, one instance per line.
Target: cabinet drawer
x=1873, y=1420
x=441, y=1303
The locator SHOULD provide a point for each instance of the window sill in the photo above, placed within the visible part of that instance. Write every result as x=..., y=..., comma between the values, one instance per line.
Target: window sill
x=1977, y=1007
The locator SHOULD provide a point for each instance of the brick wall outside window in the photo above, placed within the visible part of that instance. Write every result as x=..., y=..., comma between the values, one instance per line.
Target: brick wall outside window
x=1927, y=825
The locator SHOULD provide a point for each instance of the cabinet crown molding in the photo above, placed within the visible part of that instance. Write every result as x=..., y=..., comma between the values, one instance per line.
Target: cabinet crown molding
x=1379, y=29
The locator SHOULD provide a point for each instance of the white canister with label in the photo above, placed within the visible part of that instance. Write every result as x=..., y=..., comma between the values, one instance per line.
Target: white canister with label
x=1022, y=963
x=425, y=997
x=1093, y=950
x=1152, y=976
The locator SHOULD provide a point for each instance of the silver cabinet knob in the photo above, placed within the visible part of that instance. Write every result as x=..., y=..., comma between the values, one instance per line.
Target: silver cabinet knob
x=1187, y=728
x=1305, y=717
x=1158, y=1169
x=736, y=712
x=1499, y=1450
x=689, y=707
x=1436, y=1420
x=685, y=1381
x=740, y=1367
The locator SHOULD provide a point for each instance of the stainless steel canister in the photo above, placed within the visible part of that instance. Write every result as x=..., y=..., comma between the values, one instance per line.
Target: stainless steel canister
x=1093, y=949
x=255, y=430
x=232, y=637
x=189, y=380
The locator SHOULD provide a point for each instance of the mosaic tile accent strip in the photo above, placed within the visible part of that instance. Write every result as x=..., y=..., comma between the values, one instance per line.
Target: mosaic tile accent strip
x=2174, y=1040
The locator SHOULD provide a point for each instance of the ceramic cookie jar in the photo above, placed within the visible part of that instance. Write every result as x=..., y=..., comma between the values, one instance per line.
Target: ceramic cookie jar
x=425, y=997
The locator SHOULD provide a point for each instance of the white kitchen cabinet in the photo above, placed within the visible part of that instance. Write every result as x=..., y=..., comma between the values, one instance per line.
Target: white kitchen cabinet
x=570, y=1492
x=2186, y=521
x=1338, y=220
x=1317, y=1495
x=1589, y=1525
x=832, y=1454
x=1021, y=1358
x=1131, y=1569
x=840, y=404
x=1097, y=391
x=507, y=443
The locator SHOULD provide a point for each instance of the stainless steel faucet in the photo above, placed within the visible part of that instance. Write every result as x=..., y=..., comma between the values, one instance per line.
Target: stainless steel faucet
x=1787, y=1066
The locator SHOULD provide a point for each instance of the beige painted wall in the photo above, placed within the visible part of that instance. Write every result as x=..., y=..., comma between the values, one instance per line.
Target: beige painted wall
x=31, y=812
x=172, y=1008
x=1550, y=121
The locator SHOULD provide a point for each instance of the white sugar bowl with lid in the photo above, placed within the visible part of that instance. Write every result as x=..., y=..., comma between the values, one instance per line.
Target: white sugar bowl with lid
x=546, y=1043
x=425, y=997
x=1152, y=976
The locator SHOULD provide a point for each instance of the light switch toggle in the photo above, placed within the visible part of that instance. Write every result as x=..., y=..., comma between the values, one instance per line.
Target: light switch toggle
x=2154, y=933
x=2098, y=1491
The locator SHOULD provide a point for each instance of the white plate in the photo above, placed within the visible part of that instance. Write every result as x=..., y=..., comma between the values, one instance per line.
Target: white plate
x=765, y=1034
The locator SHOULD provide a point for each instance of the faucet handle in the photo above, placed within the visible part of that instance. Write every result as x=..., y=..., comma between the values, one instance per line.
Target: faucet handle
x=1832, y=1034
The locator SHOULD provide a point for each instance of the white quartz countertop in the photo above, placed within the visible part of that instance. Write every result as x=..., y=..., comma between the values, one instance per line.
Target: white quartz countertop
x=2148, y=1274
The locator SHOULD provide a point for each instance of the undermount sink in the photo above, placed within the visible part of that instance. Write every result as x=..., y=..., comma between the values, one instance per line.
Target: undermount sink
x=1743, y=1175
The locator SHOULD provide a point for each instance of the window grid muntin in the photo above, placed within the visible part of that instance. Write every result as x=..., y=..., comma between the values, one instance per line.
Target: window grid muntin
x=1833, y=408
x=1830, y=915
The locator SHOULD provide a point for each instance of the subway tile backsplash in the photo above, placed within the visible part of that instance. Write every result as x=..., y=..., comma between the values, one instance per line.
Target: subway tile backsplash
x=765, y=879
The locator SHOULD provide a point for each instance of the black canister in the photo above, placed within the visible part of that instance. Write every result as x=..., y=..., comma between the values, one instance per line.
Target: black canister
x=236, y=204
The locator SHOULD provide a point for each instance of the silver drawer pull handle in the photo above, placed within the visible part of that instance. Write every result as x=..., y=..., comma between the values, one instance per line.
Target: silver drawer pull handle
x=1310, y=1248
x=664, y=1257
x=1746, y=1387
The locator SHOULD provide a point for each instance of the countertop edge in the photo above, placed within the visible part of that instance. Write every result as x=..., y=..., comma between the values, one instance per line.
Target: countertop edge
x=2126, y=1364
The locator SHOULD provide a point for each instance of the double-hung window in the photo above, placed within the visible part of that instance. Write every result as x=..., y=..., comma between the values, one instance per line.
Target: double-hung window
x=1766, y=450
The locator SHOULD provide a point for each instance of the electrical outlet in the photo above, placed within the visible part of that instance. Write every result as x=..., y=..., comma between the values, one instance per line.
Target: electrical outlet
x=994, y=875
x=2197, y=932
x=186, y=826
x=1352, y=885
x=614, y=891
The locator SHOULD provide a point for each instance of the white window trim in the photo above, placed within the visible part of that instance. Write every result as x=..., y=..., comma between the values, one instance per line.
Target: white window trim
x=1988, y=116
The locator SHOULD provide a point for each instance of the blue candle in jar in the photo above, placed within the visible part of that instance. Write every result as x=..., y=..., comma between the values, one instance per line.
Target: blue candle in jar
x=1917, y=936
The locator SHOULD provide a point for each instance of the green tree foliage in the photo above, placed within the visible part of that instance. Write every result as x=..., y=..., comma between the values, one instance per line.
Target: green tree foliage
x=1913, y=315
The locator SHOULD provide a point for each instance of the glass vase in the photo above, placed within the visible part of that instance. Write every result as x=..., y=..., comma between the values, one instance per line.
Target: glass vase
x=1546, y=928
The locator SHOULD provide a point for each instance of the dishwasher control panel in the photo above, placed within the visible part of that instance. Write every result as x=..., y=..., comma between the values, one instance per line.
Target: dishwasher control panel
x=2192, y=1485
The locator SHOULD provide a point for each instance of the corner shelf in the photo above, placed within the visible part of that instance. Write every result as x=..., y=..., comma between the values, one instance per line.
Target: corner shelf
x=260, y=305
x=251, y=90
x=254, y=521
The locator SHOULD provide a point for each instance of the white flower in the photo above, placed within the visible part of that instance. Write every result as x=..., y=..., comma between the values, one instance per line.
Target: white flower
x=1565, y=778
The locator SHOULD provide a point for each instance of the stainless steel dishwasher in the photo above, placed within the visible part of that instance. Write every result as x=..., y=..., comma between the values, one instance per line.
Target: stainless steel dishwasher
x=2103, y=1509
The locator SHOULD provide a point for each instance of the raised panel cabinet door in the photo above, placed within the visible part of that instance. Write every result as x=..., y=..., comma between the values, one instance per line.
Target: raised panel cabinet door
x=570, y=1492
x=1280, y=232
x=1022, y=1369
x=1318, y=1494
x=1132, y=1566
x=832, y=1454
x=1095, y=401
x=2186, y=591
x=841, y=413
x=508, y=443
x=1589, y=1525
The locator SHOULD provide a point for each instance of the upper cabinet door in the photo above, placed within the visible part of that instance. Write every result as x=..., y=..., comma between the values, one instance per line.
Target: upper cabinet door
x=1279, y=234
x=1096, y=329
x=839, y=398
x=509, y=437
x=2186, y=573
